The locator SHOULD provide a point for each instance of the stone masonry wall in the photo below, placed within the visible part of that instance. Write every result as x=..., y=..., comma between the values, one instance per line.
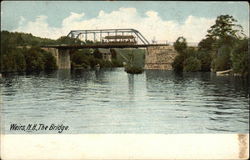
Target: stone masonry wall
x=160, y=57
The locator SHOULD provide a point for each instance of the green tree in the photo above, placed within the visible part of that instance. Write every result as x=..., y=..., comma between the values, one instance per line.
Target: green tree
x=20, y=60
x=79, y=59
x=49, y=61
x=205, y=58
x=225, y=29
x=240, y=57
x=220, y=41
x=68, y=40
x=206, y=44
x=178, y=63
x=192, y=64
x=180, y=45
x=34, y=60
x=8, y=64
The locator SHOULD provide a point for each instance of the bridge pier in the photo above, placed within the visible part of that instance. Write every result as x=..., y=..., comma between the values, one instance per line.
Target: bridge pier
x=62, y=57
x=160, y=57
x=63, y=61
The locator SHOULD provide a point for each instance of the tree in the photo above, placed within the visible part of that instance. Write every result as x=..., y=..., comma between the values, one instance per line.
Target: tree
x=240, y=57
x=192, y=64
x=180, y=45
x=49, y=61
x=206, y=44
x=34, y=60
x=220, y=40
x=225, y=28
x=222, y=61
x=68, y=40
x=205, y=58
x=178, y=63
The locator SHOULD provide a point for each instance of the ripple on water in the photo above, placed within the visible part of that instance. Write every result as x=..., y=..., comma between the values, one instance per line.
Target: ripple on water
x=111, y=101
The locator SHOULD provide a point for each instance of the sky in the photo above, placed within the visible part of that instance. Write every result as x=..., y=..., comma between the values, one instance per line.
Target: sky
x=156, y=20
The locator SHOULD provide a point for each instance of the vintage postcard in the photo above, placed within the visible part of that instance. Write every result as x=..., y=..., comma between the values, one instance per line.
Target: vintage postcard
x=124, y=80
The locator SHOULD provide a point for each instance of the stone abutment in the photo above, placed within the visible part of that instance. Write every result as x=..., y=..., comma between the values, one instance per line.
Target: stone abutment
x=160, y=57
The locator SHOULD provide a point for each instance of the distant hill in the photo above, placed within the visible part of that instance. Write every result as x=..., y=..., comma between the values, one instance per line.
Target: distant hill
x=23, y=39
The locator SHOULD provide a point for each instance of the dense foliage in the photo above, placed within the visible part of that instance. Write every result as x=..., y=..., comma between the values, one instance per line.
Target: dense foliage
x=224, y=47
x=192, y=64
x=67, y=40
x=17, y=55
x=187, y=59
x=240, y=57
x=23, y=59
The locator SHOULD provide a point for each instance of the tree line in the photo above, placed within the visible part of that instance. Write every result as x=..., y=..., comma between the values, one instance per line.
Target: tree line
x=224, y=47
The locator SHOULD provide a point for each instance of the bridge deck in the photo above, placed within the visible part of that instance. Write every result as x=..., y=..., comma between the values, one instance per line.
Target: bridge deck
x=102, y=46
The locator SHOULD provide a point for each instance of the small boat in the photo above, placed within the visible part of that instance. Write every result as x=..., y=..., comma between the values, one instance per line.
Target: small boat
x=224, y=73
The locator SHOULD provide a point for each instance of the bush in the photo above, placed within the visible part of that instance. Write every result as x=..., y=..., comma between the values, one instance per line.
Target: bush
x=192, y=64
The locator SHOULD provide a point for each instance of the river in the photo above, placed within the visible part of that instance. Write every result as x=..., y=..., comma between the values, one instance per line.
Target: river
x=112, y=101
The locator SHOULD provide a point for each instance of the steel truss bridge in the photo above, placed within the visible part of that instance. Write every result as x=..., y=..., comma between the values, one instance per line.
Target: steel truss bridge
x=99, y=35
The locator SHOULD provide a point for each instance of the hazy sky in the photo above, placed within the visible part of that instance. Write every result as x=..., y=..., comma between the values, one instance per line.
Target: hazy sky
x=155, y=20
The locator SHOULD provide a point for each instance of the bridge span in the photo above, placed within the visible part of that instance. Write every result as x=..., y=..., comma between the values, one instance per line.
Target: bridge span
x=158, y=56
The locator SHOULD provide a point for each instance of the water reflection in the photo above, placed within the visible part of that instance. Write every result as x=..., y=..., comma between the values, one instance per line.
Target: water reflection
x=220, y=99
x=131, y=84
x=63, y=74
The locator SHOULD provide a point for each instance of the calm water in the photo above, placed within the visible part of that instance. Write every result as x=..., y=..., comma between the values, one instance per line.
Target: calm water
x=112, y=101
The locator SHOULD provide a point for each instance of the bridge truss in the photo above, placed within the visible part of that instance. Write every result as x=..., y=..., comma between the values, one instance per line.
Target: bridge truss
x=101, y=34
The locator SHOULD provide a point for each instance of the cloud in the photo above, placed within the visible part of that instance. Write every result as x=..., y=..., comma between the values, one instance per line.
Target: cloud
x=22, y=21
x=39, y=27
x=150, y=24
x=72, y=19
